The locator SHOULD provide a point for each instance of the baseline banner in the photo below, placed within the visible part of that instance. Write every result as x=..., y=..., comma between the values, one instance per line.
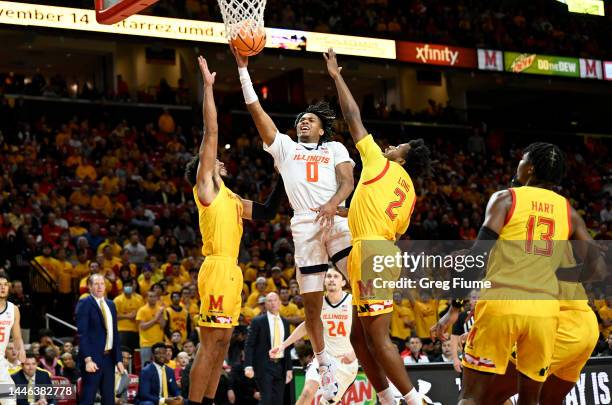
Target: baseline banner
x=541, y=64
x=489, y=59
x=590, y=69
x=38, y=15
x=607, y=68
x=440, y=384
x=432, y=54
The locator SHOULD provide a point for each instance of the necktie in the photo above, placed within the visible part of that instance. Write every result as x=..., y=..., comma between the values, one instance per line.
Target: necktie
x=31, y=399
x=105, y=317
x=164, y=383
x=277, y=333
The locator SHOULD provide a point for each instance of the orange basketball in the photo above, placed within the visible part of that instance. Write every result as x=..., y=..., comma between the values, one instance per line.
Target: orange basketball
x=249, y=41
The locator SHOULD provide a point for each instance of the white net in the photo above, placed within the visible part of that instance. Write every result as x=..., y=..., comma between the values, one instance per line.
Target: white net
x=243, y=17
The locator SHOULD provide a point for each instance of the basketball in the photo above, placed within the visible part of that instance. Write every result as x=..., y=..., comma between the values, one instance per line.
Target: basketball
x=249, y=41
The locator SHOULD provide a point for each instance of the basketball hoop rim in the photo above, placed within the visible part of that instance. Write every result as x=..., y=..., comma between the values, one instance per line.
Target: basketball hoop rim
x=119, y=11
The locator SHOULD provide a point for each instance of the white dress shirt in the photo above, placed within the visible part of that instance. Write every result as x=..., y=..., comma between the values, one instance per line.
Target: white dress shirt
x=271, y=318
x=109, y=323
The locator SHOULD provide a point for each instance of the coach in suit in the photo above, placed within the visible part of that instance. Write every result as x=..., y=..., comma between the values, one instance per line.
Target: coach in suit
x=149, y=390
x=267, y=331
x=29, y=377
x=99, y=345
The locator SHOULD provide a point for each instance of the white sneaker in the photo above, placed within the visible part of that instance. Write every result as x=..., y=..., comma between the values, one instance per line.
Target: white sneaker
x=329, y=385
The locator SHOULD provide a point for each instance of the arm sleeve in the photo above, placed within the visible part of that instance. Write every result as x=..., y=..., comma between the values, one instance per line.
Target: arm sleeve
x=371, y=157
x=280, y=147
x=458, y=326
x=268, y=210
x=341, y=155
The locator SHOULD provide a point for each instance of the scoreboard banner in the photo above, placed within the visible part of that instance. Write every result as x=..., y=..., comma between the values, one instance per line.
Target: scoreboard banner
x=440, y=384
x=490, y=59
x=541, y=64
x=590, y=69
x=39, y=15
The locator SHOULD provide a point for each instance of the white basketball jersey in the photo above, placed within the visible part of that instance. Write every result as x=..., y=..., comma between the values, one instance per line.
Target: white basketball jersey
x=308, y=170
x=7, y=319
x=337, y=322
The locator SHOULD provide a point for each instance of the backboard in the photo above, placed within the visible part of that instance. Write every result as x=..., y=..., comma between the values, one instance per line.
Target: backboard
x=113, y=11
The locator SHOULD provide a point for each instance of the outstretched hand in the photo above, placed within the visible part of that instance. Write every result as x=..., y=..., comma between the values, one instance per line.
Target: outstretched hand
x=241, y=61
x=332, y=63
x=209, y=78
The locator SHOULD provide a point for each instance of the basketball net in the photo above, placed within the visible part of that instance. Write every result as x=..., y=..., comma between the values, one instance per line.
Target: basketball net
x=242, y=17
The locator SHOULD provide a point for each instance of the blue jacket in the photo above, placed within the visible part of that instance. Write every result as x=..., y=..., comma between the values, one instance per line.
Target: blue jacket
x=148, y=384
x=92, y=331
x=41, y=378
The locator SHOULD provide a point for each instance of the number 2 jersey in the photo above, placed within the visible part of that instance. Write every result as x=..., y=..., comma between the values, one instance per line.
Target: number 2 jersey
x=7, y=319
x=384, y=198
x=308, y=170
x=532, y=245
x=337, y=322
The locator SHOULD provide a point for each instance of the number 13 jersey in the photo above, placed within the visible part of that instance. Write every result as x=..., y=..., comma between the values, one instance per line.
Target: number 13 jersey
x=384, y=198
x=308, y=170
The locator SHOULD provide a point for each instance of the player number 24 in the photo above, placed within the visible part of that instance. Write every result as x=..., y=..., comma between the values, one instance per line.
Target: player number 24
x=336, y=329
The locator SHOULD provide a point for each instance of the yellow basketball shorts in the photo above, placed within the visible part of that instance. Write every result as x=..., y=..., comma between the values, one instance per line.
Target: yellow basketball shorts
x=577, y=336
x=498, y=325
x=362, y=292
x=220, y=287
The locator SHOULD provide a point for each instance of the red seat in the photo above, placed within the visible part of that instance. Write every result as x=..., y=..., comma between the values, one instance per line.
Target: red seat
x=137, y=362
x=65, y=396
x=132, y=388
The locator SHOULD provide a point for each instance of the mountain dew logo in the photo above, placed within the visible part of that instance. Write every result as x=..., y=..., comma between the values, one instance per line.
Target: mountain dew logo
x=360, y=393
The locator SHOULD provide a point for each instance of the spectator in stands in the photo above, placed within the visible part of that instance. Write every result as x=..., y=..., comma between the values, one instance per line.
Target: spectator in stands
x=259, y=292
x=182, y=360
x=29, y=376
x=69, y=370
x=446, y=356
x=23, y=302
x=128, y=303
x=157, y=384
x=402, y=321
x=189, y=348
x=11, y=357
x=68, y=347
x=413, y=354
x=151, y=323
x=608, y=350
x=122, y=380
x=136, y=251
x=123, y=91
x=48, y=360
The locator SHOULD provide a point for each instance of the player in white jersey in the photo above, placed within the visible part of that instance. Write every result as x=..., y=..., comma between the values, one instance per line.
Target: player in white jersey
x=337, y=318
x=318, y=177
x=9, y=324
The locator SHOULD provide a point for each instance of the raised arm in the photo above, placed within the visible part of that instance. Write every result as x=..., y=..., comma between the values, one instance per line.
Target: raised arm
x=208, y=147
x=350, y=109
x=265, y=126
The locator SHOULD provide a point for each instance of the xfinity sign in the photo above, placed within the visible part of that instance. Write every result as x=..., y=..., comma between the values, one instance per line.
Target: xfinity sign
x=432, y=54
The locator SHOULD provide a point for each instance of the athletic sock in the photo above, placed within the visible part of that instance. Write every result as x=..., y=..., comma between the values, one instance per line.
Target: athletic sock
x=413, y=397
x=323, y=358
x=386, y=397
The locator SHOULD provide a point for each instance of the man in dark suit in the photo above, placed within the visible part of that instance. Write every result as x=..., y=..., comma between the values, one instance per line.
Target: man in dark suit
x=27, y=379
x=99, y=343
x=149, y=390
x=267, y=331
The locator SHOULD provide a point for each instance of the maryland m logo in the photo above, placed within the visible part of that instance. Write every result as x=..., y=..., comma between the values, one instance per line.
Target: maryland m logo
x=216, y=304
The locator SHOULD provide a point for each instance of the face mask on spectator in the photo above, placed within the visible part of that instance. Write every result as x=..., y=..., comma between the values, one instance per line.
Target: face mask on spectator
x=128, y=289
